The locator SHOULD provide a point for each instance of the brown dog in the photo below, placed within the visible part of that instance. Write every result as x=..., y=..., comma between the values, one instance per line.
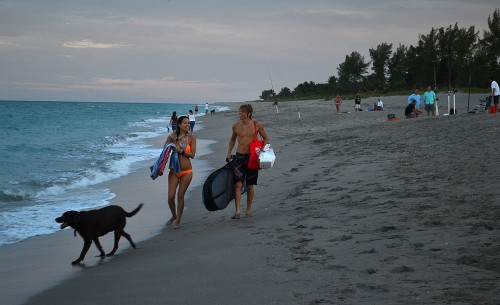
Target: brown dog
x=95, y=223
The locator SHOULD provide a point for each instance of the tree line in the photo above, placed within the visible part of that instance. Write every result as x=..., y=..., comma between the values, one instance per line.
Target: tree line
x=445, y=58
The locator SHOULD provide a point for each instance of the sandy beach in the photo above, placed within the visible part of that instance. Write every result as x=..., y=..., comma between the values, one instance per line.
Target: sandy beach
x=356, y=210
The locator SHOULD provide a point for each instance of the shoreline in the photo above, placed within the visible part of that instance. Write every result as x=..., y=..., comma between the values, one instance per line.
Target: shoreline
x=355, y=210
x=55, y=251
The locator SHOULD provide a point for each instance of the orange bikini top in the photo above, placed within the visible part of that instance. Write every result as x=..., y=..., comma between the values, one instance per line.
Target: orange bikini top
x=188, y=148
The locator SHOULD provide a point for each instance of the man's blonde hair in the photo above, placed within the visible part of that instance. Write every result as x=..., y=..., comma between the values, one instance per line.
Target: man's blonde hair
x=248, y=109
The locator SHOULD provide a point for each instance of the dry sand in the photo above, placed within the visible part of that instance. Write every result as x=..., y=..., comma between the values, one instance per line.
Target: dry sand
x=357, y=210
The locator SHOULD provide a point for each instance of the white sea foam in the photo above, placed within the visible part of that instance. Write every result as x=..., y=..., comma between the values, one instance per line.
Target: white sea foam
x=77, y=147
x=39, y=219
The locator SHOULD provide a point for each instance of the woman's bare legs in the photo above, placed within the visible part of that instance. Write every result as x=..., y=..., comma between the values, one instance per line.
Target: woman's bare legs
x=173, y=182
x=184, y=182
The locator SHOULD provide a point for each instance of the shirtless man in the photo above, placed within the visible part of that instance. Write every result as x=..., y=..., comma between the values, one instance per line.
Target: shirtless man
x=243, y=133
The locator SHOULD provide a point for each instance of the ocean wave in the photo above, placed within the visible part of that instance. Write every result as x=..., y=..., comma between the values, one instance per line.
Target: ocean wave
x=13, y=226
x=148, y=122
x=12, y=195
x=60, y=162
x=134, y=136
x=85, y=165
x=108, y=170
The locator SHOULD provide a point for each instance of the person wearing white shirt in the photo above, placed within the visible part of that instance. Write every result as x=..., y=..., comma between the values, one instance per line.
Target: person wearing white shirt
x=380, y=105
x=495, y=92
x=192, y=120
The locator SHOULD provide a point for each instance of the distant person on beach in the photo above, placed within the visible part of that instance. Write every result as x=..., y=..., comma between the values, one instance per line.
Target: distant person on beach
x=196, y=109
x=338, y=102
x=411, y=111
x=206, y=108
x=275, y=105
x=495, y=91
x=181, y=170
x=429, y=99
x=243, y=132
x=415, y=96
x=357, y=102
x=380, y=105
x=173, y=121
x=192, y=120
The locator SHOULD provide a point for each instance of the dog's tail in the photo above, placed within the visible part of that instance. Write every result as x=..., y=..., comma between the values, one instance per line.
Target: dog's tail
x=134, y=211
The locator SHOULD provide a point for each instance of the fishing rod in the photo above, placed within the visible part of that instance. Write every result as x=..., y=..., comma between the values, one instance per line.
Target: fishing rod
x=275, y=102
x=272, y=87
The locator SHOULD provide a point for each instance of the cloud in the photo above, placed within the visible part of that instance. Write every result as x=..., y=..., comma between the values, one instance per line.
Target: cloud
x=7, y=44
x=160, y=85
x=169, y=87
x=89, y=44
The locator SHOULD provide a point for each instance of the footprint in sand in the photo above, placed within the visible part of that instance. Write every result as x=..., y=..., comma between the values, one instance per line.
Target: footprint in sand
x=403, y=269
x=341, y=238
x=371, y=251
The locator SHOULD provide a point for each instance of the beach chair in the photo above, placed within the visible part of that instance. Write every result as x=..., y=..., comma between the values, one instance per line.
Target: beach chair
x=483, y=106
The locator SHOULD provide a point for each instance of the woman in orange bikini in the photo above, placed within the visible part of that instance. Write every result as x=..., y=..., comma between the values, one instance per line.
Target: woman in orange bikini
x=183, y=152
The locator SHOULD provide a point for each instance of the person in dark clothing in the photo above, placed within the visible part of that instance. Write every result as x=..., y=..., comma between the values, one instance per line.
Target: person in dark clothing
x=411, y=111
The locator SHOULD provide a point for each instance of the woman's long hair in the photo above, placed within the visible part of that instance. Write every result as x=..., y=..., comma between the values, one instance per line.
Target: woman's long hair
x=174, y=115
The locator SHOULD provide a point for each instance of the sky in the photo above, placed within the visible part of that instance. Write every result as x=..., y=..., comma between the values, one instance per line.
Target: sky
x=197, y=51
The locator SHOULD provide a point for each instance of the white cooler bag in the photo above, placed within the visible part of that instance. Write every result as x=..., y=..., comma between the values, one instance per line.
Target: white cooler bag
x=267, y=158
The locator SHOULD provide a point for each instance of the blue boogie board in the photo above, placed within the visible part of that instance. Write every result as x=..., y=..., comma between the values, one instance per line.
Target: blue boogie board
x=218, y=189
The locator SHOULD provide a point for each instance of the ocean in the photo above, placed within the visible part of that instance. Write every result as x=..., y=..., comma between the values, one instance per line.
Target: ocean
x=54, y=155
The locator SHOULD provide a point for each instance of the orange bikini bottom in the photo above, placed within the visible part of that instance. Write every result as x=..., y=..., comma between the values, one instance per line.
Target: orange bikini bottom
x=181, y=173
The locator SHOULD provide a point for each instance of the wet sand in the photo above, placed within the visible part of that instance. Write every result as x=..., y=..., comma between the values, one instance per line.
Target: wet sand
x=357, y=210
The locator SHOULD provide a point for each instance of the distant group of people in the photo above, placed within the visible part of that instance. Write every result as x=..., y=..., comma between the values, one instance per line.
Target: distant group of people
x=412, y=109
x=430, y=99
x=243, y=133
x=191, y=117
x=179, y=176
x=377, y=106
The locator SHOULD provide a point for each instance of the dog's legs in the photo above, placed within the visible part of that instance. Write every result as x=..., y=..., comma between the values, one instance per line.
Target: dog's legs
x=99, y=247
x=86, y=246
x=127, y=236
x=117, y=239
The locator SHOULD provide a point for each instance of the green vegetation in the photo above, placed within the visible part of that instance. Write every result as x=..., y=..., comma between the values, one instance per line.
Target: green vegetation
x=445, y=58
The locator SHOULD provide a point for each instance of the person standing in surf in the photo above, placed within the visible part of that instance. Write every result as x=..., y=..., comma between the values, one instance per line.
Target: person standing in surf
x=173, y=121
x=192, y=120
x=243, y=133
x=206, y=108
x=181, y=170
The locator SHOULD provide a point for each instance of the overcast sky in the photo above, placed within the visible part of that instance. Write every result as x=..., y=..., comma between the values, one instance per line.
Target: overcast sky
x=200, y=50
